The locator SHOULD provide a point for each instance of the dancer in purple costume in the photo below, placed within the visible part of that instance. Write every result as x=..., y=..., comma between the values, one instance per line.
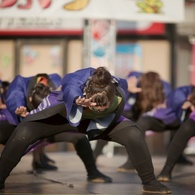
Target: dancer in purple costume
x=91, y=101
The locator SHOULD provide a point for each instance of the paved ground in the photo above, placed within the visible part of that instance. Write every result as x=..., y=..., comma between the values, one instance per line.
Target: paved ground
x=71, y=177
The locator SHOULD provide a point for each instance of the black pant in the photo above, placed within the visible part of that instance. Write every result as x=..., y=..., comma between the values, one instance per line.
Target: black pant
x=179, y=142
x=6, y=130
x=125, y=133
x=79, y=140
x=150, y=123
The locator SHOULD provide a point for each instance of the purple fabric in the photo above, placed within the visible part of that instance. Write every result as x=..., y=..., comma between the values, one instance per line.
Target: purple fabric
x=177, y=97
x=165, y=114
x=192, y=115
x=73, y=85
x=5, y=115
x=17, y=94
x=35, y=145
x=54, y=98
x=131, y=97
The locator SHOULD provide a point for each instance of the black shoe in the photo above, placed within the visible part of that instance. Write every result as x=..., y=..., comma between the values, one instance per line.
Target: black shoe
x=43, y=166
x=45, y=158
x=184, y=161
x=156, y=187
x=127, y=167
x=99, y=178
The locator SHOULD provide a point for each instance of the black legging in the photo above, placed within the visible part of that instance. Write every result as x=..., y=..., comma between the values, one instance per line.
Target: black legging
x=147, y=123
x=150, y=123
x=79, y=140
x=179, y=142
x=6, y=130
x=124, y=133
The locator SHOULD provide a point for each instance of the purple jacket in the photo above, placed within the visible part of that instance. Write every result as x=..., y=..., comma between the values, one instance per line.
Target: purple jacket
x=192, y=115
x=73, y=86
x=5, y=115
x=131, y=97
x=16, y=95
x=176, y=99
x=165, y=114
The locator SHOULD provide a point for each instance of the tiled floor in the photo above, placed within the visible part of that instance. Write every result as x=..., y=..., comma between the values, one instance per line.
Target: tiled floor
x=70, y=178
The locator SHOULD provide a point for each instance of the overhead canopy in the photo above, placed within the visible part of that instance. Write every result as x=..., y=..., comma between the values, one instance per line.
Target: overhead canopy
x=168, y=11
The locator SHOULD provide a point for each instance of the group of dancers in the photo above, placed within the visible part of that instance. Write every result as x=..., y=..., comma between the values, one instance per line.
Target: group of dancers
x=91, y=104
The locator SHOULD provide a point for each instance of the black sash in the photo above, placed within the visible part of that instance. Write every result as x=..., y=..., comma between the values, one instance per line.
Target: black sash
x=46, y=113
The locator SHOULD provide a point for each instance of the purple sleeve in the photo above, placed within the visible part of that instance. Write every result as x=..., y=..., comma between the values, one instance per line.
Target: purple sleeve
x=16, y=95
x=73, y=85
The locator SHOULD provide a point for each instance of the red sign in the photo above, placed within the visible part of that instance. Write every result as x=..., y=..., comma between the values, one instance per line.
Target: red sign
x=143, y=29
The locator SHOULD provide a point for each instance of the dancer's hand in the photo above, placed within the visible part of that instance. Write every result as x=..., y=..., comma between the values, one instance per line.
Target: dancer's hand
x=132, y=85
x=188, y=105
x=81, y=101
x=22, y=111
x=2, y=105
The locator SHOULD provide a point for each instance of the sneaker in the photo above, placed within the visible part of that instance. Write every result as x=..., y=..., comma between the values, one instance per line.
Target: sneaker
x=156, y=187
x=99, y=178
x=127, y=167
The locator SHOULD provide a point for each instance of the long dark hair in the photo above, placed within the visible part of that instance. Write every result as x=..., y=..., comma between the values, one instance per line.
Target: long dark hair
x=100, y=84
x=4, y=87
x=38, y=93
x=152, y=93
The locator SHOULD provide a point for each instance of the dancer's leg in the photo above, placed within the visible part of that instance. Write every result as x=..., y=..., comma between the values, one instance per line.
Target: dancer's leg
x=178, y=144
x=99, y=147
x=145, y=123
x=24, y=135
x=84, y=151
x=132, y=138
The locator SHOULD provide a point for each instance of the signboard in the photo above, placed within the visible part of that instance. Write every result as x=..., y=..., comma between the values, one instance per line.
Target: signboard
x=131, y=10
x=40, y=26
x=140, y=28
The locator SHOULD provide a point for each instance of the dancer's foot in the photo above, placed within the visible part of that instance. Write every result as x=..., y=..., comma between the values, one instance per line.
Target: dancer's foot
x=45, y=163
x=165, y=174
x=164, y=178
x=98, y=177
x=45, y=158
x=126, y=167
x=43, y=166
x=156, y=187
